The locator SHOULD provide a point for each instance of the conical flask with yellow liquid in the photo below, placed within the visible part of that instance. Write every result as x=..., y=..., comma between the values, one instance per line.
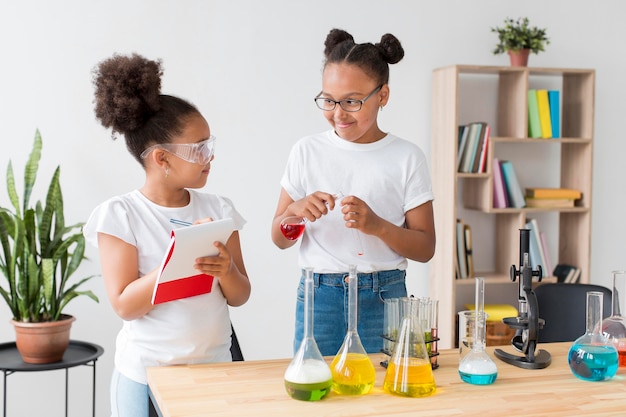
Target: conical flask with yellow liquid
x=409, y=371
x=308, y=377
x=352, y=369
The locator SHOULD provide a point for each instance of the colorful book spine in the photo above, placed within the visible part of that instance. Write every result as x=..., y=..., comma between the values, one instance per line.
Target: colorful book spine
x=460, y=247
x=536, y=258
x=472, y=138
x=534, y=126
x=500, y=199
x=546, y=254
x=463, y=129
x=482, y=167
x=543, y=105
x=475, y=145
x=553, y=193
x=554, y=97
x=515, y=193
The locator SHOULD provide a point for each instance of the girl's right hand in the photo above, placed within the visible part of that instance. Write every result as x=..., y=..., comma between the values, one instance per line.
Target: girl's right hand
x=313, y=206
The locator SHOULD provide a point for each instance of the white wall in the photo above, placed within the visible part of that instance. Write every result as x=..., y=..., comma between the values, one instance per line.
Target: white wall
x=253, y=67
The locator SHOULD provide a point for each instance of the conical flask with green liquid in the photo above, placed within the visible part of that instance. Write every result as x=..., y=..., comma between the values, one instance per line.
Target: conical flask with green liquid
x=308, y=377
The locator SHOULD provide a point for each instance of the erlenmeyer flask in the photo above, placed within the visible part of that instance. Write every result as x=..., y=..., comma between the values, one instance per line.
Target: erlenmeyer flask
x=308, y=377
x=614, y=327
x=410, y=372
x=477, y=367
x=352, y=369
x=592, y=357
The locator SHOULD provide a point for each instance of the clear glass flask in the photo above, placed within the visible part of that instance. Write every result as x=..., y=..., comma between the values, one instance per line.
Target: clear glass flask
x=477, y=367
x=614, y=327
x=592, y=357
x=308, y=377
x=409, y=371
x=352, y=369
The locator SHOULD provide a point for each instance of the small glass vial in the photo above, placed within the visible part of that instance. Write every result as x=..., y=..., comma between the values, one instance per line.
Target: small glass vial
x=352, y=369
x=308, y=377
x=592, y=357
x=614, y=327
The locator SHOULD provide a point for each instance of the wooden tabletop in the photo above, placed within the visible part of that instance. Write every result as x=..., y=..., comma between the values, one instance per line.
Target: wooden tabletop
x=256, y=388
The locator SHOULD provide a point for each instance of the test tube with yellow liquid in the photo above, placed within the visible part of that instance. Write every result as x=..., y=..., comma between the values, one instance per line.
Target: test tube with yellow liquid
x=352, y=369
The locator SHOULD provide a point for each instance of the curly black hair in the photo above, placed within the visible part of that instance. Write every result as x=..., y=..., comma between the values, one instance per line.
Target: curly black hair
x=374, y=59
x=128, y=100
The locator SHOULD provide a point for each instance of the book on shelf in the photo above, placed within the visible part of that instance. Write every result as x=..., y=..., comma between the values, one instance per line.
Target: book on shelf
x=500, y=199
x=554, y=98
x=472, y=147
x=534, y=125
x=460, y=248
x=478, y=151
x=543, y=106
x=553, y=193
x=464, y=163
x=550, y=202
x=467, y=232
x=482, y=166
x=463, y=130
x=535, y=246
x=546, y=253
x=513, y=187
x=566, y=273
x=575, y=277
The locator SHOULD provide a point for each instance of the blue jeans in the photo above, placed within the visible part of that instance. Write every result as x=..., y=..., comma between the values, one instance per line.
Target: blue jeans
x=330, y=321
x=128, y=398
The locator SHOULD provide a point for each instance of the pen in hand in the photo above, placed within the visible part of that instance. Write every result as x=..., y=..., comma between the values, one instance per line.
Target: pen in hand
x=180, y=222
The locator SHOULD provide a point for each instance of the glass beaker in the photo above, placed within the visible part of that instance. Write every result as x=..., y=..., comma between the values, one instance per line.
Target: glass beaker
x=592, y=357
x=614, y=327
x=352, y=369
x=409, y=372
x=308, y=377
x=477, y=367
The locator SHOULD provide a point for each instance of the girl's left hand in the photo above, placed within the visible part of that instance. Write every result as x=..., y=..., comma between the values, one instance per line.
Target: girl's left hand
x=358, y=215
x=219, y=265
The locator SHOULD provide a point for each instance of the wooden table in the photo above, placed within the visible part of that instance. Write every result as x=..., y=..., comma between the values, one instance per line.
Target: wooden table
x=255, y=388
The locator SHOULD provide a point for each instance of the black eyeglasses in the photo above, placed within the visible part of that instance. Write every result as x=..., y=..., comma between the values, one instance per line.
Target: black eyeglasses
x=348, y=104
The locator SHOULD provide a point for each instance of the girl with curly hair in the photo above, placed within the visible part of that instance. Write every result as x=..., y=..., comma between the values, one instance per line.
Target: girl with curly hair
x=172, y=141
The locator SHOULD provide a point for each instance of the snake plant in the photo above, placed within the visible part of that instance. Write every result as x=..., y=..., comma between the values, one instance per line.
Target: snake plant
x=39, y=252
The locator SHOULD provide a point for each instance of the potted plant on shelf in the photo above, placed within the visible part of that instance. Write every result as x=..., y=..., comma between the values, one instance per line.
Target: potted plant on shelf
x=39, y=253
x=518, y=39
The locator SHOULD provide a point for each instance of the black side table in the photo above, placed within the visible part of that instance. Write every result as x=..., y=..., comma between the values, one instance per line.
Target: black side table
x=77, y=353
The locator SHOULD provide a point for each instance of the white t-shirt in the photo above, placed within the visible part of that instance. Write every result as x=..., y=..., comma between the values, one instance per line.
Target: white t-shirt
x=391, y=175
x=191, y=330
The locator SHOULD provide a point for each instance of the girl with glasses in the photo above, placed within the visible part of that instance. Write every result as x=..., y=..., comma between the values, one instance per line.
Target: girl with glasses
x=366, y=195
x=172, y=142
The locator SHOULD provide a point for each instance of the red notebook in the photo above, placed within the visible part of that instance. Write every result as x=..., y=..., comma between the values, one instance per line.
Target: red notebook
x=177, y=277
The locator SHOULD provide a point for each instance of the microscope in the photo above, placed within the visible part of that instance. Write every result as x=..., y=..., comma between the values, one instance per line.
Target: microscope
x=528, y=323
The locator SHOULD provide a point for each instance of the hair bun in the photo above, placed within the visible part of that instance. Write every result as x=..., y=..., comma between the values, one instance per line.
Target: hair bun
x=127, y=91
x=334, y=38
x=390, y=48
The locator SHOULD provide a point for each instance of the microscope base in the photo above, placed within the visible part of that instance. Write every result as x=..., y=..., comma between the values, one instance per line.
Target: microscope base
x=542, y=359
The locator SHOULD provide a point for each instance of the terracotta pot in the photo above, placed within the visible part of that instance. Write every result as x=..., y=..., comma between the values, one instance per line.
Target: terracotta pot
x=43, y=342
x=519, y=58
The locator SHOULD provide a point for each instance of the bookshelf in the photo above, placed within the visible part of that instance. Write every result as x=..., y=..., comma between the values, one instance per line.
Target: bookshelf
x=463, y=94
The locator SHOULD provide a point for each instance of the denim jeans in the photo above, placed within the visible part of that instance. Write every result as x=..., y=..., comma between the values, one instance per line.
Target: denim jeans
x=128, y=398
x=330, y=316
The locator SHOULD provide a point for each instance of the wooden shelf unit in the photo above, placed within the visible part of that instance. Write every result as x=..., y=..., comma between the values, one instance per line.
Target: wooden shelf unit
x=503, y=105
